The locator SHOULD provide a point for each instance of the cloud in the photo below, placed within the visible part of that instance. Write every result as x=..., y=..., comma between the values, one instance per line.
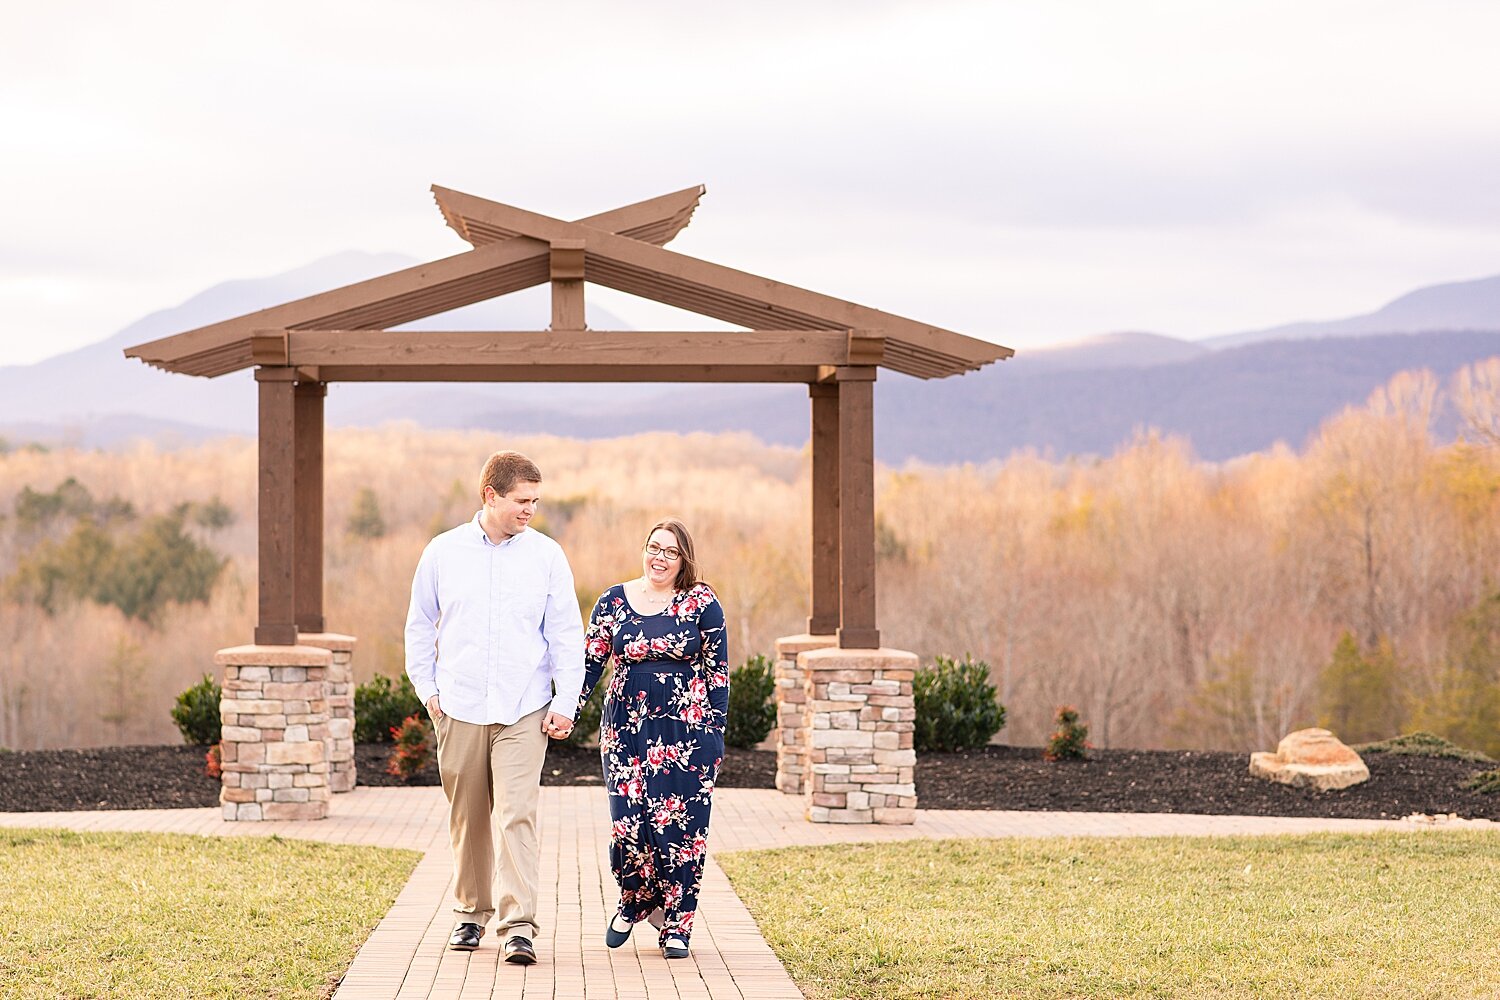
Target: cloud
x=1037, y=170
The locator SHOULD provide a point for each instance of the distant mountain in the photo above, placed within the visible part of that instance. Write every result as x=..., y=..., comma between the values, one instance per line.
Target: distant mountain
x=1080, y=398
x=1110, y=350
x=1228, y=402
x=99, y=385
x=97, y=397
x=1460, y=305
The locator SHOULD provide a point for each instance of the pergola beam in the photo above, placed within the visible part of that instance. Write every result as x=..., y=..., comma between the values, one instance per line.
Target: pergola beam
x=583, y=350
x=765, y=374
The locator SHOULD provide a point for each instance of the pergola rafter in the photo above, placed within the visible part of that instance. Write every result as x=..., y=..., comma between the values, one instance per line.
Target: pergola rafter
x=794, y=335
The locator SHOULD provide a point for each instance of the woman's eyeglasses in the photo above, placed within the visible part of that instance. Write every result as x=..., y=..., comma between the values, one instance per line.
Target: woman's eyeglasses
x=670, y=553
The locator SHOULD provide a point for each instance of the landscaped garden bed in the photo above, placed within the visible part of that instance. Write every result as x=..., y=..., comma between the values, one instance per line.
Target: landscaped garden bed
x=995, y=777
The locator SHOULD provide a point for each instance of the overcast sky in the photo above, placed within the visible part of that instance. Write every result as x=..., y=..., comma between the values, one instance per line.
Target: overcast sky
x=1023, y=172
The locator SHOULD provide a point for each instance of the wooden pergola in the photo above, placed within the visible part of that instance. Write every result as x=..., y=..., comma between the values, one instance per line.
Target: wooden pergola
x=793, y=335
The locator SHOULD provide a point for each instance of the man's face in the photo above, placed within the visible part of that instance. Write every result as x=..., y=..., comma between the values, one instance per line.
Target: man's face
x=513, y=511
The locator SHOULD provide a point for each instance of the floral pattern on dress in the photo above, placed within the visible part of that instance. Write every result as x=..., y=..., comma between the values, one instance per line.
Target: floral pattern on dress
x=661, y=741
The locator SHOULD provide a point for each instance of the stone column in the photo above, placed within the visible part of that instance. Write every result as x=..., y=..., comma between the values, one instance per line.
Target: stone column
x=274, y=711
x=340, y=697
x=791, y=709
x=861, y=724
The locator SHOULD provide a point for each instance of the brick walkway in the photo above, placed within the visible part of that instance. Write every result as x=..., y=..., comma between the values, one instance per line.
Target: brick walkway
x=405, y=956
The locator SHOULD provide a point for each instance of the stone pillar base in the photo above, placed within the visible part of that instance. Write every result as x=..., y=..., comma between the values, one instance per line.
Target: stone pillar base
x=791, y=705
x=861, y=727
x=274, y=711
x=341, y=773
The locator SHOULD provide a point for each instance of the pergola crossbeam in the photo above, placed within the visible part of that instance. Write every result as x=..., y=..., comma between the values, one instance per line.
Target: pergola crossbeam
x=580, y=349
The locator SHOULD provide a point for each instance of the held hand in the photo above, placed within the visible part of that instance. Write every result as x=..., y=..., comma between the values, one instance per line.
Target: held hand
x=434, y=709
x=557, y=726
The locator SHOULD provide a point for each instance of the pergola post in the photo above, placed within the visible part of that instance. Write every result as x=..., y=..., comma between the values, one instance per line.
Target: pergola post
x=856, y=463
x=824, y=597
x=307, y=545
x=277, y=622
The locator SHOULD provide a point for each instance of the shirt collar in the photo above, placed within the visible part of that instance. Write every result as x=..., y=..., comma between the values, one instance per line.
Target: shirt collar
x=484, y=539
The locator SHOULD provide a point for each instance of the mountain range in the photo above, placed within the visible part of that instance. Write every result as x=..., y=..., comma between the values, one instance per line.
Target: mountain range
x=1229, y=395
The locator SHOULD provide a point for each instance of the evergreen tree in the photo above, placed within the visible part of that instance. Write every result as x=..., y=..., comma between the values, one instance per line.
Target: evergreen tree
x=1466, y=706
x=365, y=520
x=1358, y=692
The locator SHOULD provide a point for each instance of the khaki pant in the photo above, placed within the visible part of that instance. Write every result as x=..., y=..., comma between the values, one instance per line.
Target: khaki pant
x=494, y=771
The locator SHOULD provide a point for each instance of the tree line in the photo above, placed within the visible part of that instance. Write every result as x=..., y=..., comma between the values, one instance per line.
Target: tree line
x=1177, y=603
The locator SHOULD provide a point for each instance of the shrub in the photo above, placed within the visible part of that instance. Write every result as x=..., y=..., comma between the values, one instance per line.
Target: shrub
x=1423, y=744
x=586, y=725
x=1485, y=782
x=752, y=712
x=1071, y=740
x=380, y=706
x=414, y=740
x=197, y=712
x=213, y=761
x=956, y=706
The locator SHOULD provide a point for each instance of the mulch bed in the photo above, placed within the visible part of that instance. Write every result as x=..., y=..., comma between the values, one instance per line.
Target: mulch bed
x=172, y=777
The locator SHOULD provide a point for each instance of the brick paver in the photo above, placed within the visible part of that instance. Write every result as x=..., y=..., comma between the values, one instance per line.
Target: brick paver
x=405, y=957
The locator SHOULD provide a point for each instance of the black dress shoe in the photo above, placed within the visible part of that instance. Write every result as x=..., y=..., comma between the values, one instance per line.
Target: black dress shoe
x=466, y=937
x=614, y=938
x=674, y=947
x=518, y=951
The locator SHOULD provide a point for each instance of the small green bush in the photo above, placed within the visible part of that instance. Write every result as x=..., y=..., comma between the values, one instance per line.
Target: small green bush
x=1071, y=740
x=197, y=713
x=381, y=706
x=752, y=712
x=586, y=725
x=1423, y=744
x=1485, y=782
x=956, y=706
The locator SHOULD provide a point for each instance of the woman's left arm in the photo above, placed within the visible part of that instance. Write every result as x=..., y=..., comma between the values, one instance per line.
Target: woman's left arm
x=713, y=661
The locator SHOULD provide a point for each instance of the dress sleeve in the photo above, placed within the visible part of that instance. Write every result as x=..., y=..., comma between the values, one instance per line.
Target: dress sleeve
x=713, y=661
x=598, y=644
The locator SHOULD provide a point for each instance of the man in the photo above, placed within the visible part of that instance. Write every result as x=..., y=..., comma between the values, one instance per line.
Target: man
x=493, y=626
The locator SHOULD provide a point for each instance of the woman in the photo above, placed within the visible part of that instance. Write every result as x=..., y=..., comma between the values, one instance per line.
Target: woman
x=661, y=735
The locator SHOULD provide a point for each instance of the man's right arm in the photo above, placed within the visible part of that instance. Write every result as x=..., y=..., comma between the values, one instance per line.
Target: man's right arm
x=421, y=631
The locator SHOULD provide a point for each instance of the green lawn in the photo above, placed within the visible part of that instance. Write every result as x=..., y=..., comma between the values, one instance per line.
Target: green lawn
x=164, y=916
x=1328, y=916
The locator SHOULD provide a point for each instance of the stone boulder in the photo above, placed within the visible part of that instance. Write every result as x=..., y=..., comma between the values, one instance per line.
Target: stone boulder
x=1311, y=758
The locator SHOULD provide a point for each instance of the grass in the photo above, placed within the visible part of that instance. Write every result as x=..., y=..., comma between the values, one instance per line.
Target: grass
x=1486, y=782
x=1352, y=916
x=156, y=915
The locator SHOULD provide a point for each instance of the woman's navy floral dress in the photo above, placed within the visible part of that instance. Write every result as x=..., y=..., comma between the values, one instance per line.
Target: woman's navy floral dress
x=661, y=739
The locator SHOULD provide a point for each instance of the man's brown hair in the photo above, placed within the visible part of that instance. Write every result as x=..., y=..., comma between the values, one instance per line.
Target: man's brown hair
x=504, y=470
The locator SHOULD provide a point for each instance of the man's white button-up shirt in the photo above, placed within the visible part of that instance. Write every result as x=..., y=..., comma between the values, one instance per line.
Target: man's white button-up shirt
x=492, y=627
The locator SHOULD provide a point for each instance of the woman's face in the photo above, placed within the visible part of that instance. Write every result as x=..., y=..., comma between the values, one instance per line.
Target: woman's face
x=660, y=567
